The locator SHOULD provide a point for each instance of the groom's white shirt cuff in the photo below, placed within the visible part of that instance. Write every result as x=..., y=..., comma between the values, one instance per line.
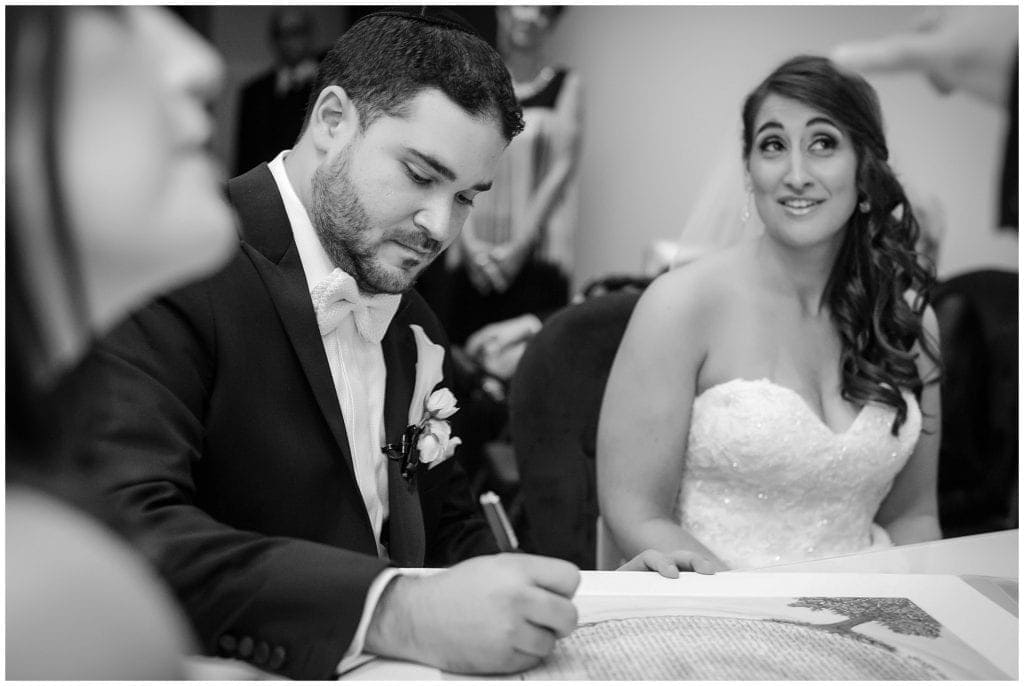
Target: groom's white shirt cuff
x=354, y=656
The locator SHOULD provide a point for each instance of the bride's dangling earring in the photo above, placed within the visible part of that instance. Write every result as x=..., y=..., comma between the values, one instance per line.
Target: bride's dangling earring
x=745, y=215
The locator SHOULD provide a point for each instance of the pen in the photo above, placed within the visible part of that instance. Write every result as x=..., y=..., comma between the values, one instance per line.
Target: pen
x=498, y=521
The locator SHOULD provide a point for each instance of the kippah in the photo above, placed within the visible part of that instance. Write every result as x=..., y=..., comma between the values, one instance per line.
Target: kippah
x=435, y=16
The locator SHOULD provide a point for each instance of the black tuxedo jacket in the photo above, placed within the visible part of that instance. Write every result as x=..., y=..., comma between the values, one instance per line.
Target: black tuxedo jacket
x=229, y=450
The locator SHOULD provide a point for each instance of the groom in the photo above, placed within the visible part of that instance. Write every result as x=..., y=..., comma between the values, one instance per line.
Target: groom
x=247, y=412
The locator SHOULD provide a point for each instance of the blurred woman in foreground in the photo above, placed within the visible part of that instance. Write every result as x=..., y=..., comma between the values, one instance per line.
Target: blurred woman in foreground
x=111, y=197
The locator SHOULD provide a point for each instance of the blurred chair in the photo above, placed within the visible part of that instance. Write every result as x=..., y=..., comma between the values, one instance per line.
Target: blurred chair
x=610, y=284
x=554, y=404
x=977, y=314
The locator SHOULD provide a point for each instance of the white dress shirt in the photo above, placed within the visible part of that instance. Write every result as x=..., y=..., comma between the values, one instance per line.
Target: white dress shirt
x=357, y=367
x=359, y=374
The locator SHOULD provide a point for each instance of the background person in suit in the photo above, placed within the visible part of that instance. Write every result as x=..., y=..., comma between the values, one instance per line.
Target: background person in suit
x=272, y=105
x=512, y=264
x=111, y=197
x=248, y=410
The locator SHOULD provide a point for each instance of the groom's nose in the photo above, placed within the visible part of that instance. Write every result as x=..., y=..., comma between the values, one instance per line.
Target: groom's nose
x=435, y=218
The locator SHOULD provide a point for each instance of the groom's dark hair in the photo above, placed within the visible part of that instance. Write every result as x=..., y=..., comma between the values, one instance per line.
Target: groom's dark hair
x=387, y=58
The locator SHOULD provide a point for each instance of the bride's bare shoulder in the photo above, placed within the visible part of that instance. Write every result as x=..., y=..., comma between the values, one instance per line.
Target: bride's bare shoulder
x=702, y=284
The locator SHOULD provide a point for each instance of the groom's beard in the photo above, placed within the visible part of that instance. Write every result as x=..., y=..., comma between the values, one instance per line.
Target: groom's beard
x=346, y=233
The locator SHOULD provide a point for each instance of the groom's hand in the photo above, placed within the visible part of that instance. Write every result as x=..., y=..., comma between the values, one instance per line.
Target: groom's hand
x=489, y=615
x=669, y=564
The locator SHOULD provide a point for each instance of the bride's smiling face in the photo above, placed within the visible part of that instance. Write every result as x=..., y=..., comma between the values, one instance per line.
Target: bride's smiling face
x=802, y=171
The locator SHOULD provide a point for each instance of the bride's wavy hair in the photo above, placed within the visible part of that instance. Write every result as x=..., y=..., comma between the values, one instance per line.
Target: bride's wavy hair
x=877, y=265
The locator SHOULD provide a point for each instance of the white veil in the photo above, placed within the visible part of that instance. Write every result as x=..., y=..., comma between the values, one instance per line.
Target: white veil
x=716, y=219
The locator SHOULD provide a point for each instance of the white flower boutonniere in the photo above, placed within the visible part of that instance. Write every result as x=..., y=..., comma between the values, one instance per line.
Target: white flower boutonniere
x=428, y=438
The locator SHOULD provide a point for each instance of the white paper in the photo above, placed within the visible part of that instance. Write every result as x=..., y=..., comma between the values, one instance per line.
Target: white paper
x=784, y=626
x=643, y=613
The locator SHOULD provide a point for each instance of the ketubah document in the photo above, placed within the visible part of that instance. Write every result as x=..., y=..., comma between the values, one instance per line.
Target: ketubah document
x=783, y=626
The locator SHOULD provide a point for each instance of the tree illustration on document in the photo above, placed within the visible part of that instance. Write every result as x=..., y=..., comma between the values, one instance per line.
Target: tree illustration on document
x=898, y=615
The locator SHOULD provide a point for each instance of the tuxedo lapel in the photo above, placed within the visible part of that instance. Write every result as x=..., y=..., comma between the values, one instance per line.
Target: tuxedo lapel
x=267, y=231
x=406, y=534
x=267, y=237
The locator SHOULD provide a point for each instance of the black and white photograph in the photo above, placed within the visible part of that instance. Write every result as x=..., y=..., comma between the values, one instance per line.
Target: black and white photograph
x=588, y=342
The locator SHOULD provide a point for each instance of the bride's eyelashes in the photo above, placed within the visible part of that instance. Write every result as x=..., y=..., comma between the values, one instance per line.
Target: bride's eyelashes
x=824, y=143
x=771, y=145
x=821, y=143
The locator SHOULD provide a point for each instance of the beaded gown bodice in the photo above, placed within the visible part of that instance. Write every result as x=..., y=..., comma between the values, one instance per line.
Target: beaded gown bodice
x=766, y=482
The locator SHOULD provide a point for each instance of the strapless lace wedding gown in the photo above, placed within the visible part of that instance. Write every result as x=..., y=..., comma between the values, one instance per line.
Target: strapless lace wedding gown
x=767, y=482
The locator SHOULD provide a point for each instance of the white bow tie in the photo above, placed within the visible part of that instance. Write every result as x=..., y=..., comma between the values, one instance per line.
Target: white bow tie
x=337, y=294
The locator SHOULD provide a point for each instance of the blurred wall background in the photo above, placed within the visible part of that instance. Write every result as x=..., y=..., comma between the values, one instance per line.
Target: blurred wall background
x=663, y=88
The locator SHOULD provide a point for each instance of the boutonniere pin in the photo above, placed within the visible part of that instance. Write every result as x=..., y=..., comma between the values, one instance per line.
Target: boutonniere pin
x=428, y=438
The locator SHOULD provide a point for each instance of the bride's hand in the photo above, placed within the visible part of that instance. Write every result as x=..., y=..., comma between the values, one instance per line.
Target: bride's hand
x=670, y=564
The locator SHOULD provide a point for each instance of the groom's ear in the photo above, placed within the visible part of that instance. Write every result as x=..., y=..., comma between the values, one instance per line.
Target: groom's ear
x=334, y=120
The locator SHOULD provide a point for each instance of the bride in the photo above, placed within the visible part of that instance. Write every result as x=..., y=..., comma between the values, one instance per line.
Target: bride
x=778, y=400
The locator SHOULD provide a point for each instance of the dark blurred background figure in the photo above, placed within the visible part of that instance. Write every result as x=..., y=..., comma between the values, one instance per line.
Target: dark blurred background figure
x=516, y=252
x=512, y=266
x=111, y=195
x=272, y=105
